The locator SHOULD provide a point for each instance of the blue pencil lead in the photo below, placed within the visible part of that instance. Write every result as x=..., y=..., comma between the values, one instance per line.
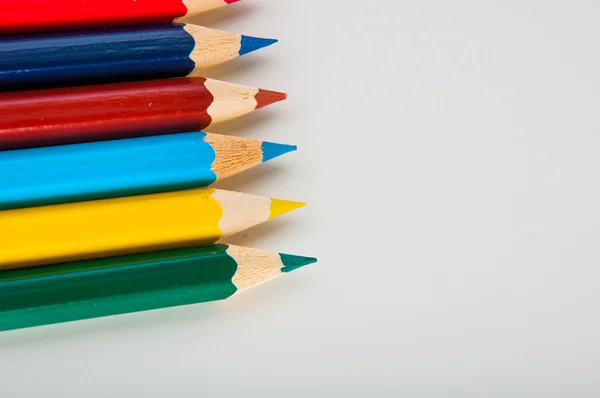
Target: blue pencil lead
x=250, y=44
x=272, y=150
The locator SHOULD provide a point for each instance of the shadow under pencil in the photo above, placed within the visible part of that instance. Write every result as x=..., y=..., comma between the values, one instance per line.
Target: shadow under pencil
x=228, y=71
x=255, y=236
x=245, y=126
x=241, y=182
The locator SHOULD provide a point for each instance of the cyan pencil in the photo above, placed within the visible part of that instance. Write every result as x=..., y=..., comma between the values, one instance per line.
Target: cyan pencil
x=98, y=170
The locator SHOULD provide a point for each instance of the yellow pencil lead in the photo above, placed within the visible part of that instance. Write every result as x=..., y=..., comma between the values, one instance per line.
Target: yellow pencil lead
x=279, y=207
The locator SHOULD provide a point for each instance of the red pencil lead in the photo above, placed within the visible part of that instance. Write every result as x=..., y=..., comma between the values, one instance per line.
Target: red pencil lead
x=267, y=97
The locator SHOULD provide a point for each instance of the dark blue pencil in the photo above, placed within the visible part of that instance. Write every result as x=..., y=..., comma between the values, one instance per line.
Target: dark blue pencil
x=114, y=55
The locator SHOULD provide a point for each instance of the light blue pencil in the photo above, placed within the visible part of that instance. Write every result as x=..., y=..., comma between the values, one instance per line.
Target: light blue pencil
x=97, y=170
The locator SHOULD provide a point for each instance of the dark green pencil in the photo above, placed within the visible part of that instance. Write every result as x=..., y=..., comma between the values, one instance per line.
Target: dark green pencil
x=119, y=285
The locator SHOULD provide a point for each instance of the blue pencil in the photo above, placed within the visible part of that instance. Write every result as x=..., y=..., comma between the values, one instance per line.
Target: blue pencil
x=70, y=173
x=118, y=54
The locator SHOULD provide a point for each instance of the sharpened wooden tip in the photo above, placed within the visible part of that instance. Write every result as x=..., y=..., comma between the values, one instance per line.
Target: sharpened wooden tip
x=258, y=266
x=268, y=97
x=197, y=7
x=233, y=154
x=233, y=100
x=280, y=207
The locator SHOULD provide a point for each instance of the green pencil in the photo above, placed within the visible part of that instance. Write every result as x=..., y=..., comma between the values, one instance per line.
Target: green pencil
x=119, y=285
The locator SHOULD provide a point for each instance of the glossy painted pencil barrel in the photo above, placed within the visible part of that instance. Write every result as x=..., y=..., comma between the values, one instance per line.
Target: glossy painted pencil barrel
x=84, y=230
x=42, y=15
x=97, y=170
x=119, y=285
x=120, y=54
x=100, y=112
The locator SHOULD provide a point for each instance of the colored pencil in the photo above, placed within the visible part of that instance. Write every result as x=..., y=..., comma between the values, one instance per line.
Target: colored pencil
x=20, y=16
x=91, y=113
x=84, y=230
x=126, y=284
x=119, y=54
x=97, y=170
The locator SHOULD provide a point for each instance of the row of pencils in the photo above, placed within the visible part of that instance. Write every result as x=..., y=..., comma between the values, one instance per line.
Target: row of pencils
x=105, y=171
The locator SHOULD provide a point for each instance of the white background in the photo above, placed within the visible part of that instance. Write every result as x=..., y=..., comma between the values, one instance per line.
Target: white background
x=449, y=152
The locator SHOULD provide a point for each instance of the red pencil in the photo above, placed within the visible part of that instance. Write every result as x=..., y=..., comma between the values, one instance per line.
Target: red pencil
x=20, y=16
x=93, y=113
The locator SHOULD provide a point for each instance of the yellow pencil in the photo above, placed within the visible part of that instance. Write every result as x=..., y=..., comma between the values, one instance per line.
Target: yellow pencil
x=84, y=230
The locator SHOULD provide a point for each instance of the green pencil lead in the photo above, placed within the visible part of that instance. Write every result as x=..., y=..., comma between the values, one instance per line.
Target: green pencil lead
x=291, y=262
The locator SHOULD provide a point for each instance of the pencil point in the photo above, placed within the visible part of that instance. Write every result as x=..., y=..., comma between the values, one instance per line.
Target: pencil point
x=250, y=44
x=280, y=207
x=272, y=150
x=268, y=97
x=292, y=263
